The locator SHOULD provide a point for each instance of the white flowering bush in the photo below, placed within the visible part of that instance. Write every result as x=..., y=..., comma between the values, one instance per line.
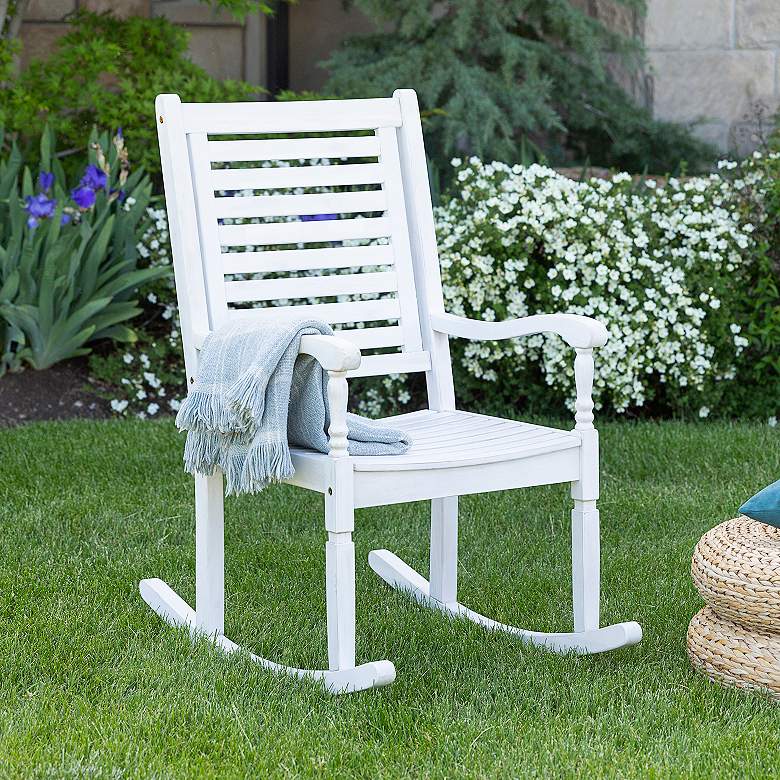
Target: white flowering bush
x=656, y=264
x=147, y=378
x=685, y=283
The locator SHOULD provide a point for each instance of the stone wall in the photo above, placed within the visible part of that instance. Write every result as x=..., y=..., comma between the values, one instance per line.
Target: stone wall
x=715, y=63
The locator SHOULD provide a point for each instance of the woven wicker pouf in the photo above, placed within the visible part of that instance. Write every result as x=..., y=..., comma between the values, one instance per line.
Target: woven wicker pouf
x=735, y=639
x=733, y=654
x=736, y=569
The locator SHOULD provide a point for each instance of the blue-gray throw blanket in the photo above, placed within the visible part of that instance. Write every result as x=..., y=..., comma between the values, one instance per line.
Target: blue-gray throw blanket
x=254, y=395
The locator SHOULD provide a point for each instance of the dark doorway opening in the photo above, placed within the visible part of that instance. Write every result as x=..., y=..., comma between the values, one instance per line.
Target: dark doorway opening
x=278, y=49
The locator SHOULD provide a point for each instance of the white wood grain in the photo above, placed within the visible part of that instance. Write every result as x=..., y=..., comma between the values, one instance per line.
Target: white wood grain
x=333, y=313
x=306, y=116
x=302, y=176
x=425, y=254
x=393, y=188
x=303, y=232
x=292, y=148
x=373, y=338
x=444, y=549
x=210, y=249
x=348, y=202
x=397, y=363
x=585, y=563
x=182, y=226
x=209, y=554
x=447, y=439
x=281, y=260
x=310, y=287
x=574, y=329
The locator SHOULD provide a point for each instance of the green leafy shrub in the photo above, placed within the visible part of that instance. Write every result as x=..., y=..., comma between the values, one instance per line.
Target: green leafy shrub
x=490, y=75
x=68, y=270
x=107, y=72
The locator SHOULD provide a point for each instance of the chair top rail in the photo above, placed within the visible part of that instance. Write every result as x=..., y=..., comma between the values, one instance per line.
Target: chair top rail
x=316, y=116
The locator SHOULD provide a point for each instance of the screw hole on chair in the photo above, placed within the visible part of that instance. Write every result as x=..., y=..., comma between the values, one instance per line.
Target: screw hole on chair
x=192, y=380
x=330, y=491
x=161, y=120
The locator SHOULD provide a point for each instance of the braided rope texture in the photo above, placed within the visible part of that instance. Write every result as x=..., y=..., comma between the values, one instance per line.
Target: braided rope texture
x=735, y=639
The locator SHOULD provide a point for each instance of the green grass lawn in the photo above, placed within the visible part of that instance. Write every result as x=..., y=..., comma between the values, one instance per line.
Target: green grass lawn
x=92, y=684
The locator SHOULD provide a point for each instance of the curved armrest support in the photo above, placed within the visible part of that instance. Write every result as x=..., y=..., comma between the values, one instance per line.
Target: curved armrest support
x=336, y=356
x=576, y=330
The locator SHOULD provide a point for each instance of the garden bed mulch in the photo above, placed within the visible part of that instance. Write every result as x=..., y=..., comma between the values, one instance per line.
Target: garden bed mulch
x=62, y=392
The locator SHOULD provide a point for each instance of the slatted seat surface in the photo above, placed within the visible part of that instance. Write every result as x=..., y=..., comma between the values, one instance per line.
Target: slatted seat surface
x=451, y=439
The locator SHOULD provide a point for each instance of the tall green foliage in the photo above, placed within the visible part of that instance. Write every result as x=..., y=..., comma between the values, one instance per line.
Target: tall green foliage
x=68, y=255
x=107, y=72
x=491, y=74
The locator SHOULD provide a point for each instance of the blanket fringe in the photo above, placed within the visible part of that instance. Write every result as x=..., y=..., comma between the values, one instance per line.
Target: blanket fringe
x=265, y=463
x=247, y=394
x=204, y=411
x=201, y=452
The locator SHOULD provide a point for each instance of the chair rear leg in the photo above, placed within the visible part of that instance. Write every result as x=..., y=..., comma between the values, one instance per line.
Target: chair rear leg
x=585, y=561
x=209, y=554
x=444, y=549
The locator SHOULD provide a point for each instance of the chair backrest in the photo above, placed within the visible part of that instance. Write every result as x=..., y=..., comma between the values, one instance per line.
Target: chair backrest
x=314, y=208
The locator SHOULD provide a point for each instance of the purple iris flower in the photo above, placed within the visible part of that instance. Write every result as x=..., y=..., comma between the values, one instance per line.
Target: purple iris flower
x=317, y=217
x=83, y=196
x=64, y=219
x=45, y=181
x=119, y=133
x=94, y=178
x=39, y=207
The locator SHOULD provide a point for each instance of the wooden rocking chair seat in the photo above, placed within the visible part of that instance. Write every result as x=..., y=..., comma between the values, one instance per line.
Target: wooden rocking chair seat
x=446, y=439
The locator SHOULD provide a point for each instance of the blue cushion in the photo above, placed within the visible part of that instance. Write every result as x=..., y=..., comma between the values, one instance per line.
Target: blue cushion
x=765, y=505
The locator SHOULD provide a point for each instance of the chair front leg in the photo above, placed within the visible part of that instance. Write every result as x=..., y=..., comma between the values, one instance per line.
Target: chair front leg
x=585, y=533
x=209, y=554
x=339, y=523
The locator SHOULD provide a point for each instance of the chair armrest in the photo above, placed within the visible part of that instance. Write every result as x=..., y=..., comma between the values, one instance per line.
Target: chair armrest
x=576, y=330
x=331, y=352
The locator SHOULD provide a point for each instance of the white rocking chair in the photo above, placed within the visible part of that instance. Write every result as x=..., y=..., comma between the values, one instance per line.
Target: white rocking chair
x=454, y=453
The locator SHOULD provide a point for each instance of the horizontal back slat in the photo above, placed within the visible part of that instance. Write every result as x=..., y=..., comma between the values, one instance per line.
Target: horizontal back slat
x=310, y=287
x=373, y=338
x=293, y=149
x=303, y=232
x=303, y=116
x=301, y=176
x=283, y=260
x=399, y=363
x=332, y=313
x=296, y=205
